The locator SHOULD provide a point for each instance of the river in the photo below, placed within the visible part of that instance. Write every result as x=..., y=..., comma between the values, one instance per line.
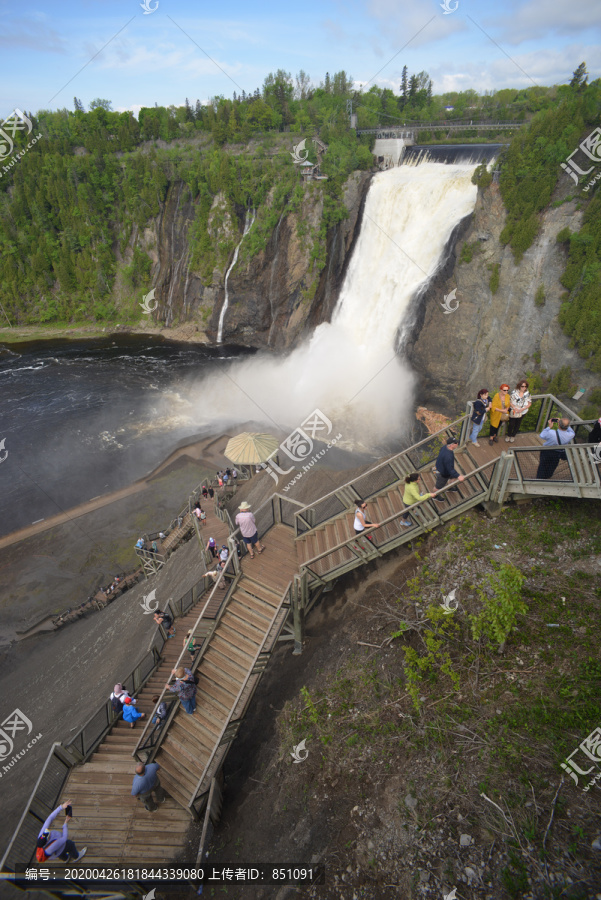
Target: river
x=82, y=418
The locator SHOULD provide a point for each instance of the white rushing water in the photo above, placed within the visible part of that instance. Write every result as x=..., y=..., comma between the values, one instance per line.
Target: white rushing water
x=349, y=368
x=248, y=221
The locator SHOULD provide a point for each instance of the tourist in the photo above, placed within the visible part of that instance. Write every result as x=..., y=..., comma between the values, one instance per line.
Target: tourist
x=56, y=844
x=554, y=439
x=161, y=711
x=595, y=435
x=117, y=698
x=212, y=547
x=234, y=474
x=361, y=523
x=499, y=412
x=224, y=553
x=205, y=492
x=479, y=410
x=130, y=713
x=146, y=781
x=412, y=495
x=520, y=404
x=190, y=644
x=211, y=491
x=185, y=688
x=198, y=511
x=226, y=478
x=445, y=468
x=203, y=517
x=246, y=522
x=215, y=573
x=164, y=619
x=140, y=543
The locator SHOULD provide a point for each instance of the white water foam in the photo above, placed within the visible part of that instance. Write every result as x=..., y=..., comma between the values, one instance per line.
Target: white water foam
x=349, y=368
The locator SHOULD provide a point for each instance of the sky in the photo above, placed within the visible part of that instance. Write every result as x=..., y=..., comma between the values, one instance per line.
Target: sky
x=113, y=49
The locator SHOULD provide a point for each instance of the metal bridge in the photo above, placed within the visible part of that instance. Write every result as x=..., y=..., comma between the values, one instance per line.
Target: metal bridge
x=408, y=132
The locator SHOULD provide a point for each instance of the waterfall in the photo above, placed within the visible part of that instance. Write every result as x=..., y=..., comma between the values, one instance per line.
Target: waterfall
x=349, y=367
x=248, y=221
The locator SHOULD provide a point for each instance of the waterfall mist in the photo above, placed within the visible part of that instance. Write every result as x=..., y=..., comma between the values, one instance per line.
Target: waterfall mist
x=349, y=368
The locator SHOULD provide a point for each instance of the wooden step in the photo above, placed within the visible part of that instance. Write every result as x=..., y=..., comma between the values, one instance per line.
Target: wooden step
x=238, y=608
x=174, y=789
x=238, y=639
x=331, y=534
x=171, y=762
x=193, y=732
x=214, y=701
x=219, y=678
x=231, y=668
x=244, y=660
x=261, y=607
x=262, y=591
x=302, y=550
x=240, y=624
x=179, y=745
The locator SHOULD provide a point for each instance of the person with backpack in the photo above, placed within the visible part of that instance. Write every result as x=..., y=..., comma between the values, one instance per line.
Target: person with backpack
x=224, y=553
x=212, y=547
x=56, y=844
x=184, y=687
x=117, y=698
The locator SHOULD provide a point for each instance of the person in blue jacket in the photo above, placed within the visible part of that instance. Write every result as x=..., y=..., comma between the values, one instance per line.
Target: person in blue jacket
x=130, y=713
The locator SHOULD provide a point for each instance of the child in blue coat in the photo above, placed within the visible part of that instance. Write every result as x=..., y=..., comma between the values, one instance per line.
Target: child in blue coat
x=130, y=713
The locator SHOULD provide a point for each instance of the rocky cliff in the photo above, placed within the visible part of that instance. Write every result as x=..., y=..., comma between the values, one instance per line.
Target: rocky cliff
x=492, y=338
x=276, y=295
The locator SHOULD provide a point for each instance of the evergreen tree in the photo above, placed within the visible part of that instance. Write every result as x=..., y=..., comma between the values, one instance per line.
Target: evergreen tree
x=404, y=87
x=79, y=107
x=580, y=77
x=198, y=111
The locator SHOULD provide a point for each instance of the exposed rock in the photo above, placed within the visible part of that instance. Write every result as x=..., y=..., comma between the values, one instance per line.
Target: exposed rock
x=465, y=840
x=492, y=338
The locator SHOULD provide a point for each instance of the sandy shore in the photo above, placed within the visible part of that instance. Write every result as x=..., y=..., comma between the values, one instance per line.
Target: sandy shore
x=188, y=333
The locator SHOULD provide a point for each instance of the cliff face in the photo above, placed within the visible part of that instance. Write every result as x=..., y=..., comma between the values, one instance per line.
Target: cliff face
x=274, y=297
x=493, y=338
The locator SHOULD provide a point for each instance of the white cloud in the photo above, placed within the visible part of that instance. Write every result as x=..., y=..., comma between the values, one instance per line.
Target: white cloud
x=29, y=35
x=537, y=19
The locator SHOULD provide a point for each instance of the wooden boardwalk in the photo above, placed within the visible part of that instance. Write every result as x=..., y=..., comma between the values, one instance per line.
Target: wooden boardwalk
x=114, y=825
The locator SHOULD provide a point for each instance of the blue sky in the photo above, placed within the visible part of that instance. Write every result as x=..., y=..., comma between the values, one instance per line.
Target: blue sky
x=51, y=51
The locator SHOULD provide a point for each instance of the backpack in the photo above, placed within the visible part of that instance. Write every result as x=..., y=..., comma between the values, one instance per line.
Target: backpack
x=40, y=855
x=116, y=706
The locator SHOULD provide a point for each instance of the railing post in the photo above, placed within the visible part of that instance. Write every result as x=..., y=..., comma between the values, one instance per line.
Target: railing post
x=277, y=511
x=298, y=614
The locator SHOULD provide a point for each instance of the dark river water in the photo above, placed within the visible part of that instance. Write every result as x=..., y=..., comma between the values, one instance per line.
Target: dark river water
x=80, y=419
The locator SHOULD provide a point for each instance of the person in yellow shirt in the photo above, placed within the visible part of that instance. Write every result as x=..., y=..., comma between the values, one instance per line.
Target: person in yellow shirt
x=499, y=412
x=412, y=495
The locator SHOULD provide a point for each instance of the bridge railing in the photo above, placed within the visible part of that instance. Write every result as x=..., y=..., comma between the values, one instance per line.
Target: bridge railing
x=420, y=456
x=392, y=533
x=572, y=464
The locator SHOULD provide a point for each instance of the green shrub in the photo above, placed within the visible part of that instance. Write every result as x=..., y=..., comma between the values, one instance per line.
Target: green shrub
x=494, y=279
x=482, y=177
x=539, y=297
x=501, y=604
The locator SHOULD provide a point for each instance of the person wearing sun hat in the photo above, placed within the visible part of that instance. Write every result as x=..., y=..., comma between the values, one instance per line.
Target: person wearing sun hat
x=245, y=520
x=499, y=411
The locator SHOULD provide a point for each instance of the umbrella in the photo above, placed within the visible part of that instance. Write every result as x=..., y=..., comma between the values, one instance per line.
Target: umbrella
x=250, y=448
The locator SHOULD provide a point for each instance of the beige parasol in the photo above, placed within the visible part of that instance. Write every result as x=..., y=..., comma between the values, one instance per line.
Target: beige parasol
x=250, y=448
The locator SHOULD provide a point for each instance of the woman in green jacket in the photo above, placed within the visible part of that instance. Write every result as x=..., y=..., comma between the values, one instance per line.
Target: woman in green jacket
x=412, y=495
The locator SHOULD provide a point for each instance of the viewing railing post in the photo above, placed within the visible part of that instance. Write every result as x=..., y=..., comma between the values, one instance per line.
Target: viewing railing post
x=298, y=615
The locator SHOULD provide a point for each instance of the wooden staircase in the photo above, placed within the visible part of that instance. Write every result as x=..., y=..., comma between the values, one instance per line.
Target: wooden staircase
x=174, y=537
x=112, y=824
x=225, y=668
